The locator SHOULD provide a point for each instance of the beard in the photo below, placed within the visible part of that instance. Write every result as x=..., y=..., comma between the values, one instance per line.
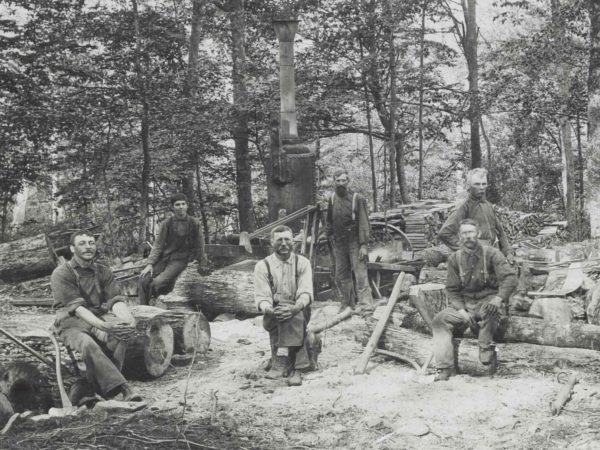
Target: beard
x=470, y=243
x=341, y=190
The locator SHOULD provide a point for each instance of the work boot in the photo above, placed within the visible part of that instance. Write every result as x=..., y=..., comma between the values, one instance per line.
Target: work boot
x=279, y=368
x=129, y=395
x=82, y=393
x=444, y=374
x=294, y=379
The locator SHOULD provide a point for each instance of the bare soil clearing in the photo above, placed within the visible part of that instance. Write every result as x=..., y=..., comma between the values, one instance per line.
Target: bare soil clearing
x=229, y=404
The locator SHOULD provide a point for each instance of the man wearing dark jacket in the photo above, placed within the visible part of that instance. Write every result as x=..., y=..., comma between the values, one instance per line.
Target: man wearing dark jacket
x=478, y=285
x=180, y=240
x=476, y=207
x=348, y=227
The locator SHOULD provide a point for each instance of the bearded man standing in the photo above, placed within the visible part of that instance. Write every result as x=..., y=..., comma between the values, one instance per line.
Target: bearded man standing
x=348, y=229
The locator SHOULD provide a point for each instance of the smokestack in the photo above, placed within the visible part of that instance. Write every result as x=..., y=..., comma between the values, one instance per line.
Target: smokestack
x=285, y=29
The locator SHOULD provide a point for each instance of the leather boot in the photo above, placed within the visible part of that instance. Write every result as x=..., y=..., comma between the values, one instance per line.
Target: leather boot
x=347, y=291
x=279, y=368
x=444, y=374
x=293, y=376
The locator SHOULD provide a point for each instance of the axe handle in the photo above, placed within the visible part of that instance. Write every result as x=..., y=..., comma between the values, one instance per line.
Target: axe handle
x=64, y=398
x=27, y=347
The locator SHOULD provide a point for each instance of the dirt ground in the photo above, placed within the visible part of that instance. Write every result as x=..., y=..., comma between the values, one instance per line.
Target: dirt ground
x=224, y=401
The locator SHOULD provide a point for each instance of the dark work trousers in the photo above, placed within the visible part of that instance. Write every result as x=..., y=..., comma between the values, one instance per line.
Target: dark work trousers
x=448, y=323
x=102, y=371
x=162, y=280
x=298, y=355
x=347, y=262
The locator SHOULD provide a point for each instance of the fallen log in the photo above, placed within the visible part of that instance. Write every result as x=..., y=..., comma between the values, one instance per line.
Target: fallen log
x=149, y=352
x=223, y=291
x=191, y=330
x=516, y=329
x=25, y=259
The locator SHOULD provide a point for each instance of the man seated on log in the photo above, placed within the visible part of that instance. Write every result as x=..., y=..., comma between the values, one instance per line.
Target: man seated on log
x=478, y=285
x=180, y=240
x=476, y=207
x=94, y=319
x=283, y=291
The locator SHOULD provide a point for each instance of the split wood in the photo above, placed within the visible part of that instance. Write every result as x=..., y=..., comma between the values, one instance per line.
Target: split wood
x=361, y=365
x=564, y=395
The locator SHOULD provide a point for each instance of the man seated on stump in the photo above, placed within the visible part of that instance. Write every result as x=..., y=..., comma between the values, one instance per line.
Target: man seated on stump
x=478, y=285
x=283, y=291
x=180, y=240
x=93, y=319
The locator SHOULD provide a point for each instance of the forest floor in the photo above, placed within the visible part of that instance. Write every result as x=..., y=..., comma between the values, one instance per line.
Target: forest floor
x=224, y=401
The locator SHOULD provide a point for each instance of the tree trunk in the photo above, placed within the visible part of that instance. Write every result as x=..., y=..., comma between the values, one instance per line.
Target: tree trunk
x=593, y=165
x=392, y=124
x=25, y=259
x=191, y=331
x=370, y=131
x=240, y=121
x=421, y=92
x=145, y=130
x=149, y=353
x=223, y=291
x=190, y=91
x=470, y=49
x=25, y=388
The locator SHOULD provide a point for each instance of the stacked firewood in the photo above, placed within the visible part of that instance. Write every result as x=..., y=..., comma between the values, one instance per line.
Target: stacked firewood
x=420, y=221
x=519, y=225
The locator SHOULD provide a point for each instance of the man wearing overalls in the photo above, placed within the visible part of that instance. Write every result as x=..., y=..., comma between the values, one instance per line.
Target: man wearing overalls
x=93, y=317
x=283, y=291
x=478, y=284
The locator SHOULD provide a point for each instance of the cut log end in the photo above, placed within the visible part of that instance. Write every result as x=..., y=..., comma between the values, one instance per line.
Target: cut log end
x=149, y=354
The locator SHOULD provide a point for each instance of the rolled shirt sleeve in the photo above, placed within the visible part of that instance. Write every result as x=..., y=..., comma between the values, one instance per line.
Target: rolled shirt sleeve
x=262, y=289
x=65, y=290
x=110, y=290
x=305, y=282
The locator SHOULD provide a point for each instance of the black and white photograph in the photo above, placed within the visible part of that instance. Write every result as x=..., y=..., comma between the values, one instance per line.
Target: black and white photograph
x=299, y=224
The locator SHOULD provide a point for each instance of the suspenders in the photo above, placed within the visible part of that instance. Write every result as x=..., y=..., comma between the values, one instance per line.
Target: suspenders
x=270, y=276
x=462, y=273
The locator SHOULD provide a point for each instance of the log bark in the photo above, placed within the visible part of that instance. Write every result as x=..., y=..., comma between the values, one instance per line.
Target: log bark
x=516, y=329
x=25, y=259
x=191, y=330
x=149, y=353
x=223, y=291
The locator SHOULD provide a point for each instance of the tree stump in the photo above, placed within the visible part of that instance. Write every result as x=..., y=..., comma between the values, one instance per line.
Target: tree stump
x=429, y=299
x=551, y=309
x=191, y=330
x=149, y=352
x=592, y=308
x=25, y=387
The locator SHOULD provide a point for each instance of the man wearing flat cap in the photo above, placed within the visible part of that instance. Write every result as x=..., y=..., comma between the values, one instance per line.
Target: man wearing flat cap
x=180, y=240
x=348, y=229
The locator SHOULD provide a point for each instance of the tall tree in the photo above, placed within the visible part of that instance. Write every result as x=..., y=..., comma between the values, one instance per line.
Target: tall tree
x=467, y=33
x=593, y=167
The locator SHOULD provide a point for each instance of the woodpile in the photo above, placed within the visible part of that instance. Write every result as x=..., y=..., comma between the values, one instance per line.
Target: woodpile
x=420, y=221
x=518, y=225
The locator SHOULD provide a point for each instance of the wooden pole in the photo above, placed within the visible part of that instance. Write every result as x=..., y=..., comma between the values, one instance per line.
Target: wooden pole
x=361, y=366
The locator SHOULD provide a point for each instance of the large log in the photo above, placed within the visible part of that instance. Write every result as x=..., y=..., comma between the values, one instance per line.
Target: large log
x=25, y=387
x=25, y=259
x=149, y=353
x=514, y=329
x=223, y=291
x=191, y=330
